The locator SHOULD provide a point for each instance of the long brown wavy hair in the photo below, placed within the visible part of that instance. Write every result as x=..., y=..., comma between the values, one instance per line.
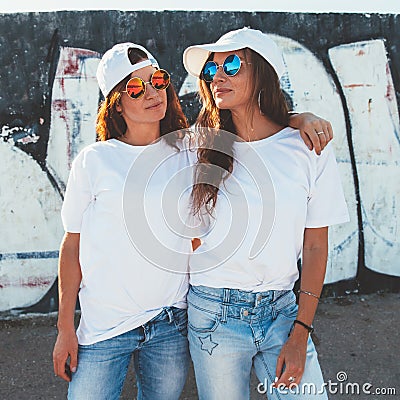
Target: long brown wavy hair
x=266, y=92
x=110, y=124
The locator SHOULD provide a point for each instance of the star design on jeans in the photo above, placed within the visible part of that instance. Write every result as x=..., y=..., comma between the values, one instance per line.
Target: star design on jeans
x=207, y=344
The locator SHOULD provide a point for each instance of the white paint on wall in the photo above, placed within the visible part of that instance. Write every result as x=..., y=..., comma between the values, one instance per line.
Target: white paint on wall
x=30, y=231
x=74, y=106
x=30, y=206
x=364, y=73
x=312, y=89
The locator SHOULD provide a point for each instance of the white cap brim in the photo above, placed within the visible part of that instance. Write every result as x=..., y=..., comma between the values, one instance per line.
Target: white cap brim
x=115, y=65
x=195, y=56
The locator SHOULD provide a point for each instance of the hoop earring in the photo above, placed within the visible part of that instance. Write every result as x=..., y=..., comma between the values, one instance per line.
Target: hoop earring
x=259, y=101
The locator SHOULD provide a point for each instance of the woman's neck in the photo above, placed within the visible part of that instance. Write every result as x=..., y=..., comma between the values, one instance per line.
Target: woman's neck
x=141, y=134
x=257, y=128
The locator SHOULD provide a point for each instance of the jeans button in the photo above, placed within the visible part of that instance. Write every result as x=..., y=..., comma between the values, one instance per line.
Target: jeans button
x=259, y=297
x=245, y=313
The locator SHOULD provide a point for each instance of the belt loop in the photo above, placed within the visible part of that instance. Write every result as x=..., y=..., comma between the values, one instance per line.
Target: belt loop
x=170, y=314
x=225, y=302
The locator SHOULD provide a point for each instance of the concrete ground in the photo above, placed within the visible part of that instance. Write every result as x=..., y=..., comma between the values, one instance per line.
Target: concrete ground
x=359, y=339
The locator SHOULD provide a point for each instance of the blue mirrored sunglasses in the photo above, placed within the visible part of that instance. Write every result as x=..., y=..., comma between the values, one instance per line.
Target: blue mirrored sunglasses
x=230, y=66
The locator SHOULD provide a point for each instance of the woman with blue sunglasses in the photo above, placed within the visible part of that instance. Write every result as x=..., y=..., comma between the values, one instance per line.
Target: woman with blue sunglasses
x=263, y=200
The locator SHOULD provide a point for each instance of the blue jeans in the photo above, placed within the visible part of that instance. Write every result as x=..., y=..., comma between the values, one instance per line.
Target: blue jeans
x=160, y=353
x=231, y=330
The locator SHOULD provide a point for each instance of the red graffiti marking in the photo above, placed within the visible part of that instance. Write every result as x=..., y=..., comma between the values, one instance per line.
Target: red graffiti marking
x=354, y=85
x=30, y=281
x=390, y=93
x=71, y=62
x=71, y=67
x=360, y=53
x=60, y=105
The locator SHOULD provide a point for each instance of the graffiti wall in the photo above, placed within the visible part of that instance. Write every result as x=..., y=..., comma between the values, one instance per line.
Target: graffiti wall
x=344, y=67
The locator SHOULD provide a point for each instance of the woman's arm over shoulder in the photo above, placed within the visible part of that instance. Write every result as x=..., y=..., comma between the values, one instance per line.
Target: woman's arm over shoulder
x=315, y=131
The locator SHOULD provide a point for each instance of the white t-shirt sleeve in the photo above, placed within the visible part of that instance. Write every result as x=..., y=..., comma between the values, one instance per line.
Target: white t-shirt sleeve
x=77, y=197
x=326, y=204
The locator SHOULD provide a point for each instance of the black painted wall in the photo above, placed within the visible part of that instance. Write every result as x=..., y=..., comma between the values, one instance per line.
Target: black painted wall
x=29, y=44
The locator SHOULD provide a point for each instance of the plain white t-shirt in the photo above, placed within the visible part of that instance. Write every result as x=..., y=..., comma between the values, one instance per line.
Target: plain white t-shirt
x=277, y=189
x=125, y=284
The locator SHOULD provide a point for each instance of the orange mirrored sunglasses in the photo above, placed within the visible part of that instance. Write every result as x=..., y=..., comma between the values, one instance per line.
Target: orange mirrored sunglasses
x=136, y=87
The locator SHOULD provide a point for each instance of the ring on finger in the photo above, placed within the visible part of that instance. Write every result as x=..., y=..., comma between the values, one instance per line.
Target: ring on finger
x=320, y=133
x=291, y=379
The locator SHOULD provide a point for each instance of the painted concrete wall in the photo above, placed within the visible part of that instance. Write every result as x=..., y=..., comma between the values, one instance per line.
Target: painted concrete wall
x=343, y=67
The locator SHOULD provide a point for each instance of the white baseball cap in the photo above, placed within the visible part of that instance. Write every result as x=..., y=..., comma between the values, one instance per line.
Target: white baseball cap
x=194, y=57
x=115, y=65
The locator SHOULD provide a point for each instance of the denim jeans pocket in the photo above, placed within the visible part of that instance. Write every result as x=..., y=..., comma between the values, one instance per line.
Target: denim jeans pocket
x=180, y=320
x=287, y=306
x=202, y=321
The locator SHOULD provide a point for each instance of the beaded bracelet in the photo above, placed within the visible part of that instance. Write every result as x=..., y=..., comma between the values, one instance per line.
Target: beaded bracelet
x=308, y=293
